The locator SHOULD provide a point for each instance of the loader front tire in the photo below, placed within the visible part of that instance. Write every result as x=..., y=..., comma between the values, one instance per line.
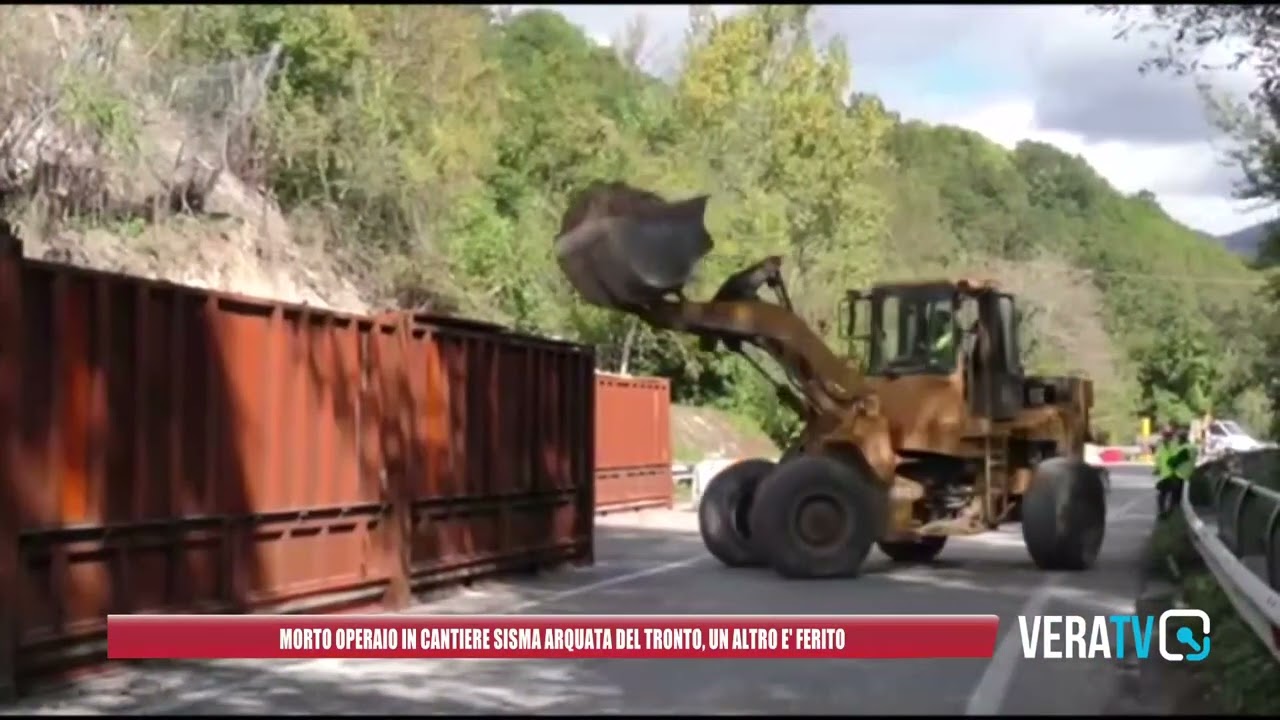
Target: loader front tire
x=724, y=512
x=817, y=517
x=1064, y=515
x=923, y=550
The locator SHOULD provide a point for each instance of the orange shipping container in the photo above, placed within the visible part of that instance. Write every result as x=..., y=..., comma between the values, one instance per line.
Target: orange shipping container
x=168, y=449
x=633, y=442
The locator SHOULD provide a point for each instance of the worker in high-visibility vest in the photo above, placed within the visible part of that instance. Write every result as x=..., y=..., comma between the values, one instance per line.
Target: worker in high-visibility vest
x=1166, y=477
x=943, y=334
x=1184, y=463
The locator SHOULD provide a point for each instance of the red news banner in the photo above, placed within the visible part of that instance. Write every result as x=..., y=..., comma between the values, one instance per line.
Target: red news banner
x=551, y=636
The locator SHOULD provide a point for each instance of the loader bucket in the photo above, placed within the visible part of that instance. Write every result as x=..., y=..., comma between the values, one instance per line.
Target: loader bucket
x=623, y=248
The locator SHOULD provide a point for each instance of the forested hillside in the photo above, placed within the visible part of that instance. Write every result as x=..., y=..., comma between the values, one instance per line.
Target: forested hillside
x=432, y=149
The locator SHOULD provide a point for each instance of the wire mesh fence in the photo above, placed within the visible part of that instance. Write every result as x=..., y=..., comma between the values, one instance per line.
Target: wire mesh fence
x=217, y=105
x=90, y=121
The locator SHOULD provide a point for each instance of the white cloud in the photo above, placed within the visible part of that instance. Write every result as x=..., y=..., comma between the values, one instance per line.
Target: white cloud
x=1050, y=73
x=1177, y=173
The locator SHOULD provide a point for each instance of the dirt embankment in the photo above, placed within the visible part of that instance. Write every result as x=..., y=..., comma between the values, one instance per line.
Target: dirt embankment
x=699, y=433
x=112, y=163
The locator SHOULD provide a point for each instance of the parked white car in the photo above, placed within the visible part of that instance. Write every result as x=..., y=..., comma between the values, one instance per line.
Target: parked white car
x=1227, y=436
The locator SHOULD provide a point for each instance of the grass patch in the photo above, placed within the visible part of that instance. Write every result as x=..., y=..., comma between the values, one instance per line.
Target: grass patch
x=1240, y=676
x=1171, y=541
x=686, y=452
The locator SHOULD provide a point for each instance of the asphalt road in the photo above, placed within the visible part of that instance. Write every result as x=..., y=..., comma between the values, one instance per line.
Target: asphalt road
x=653, y=562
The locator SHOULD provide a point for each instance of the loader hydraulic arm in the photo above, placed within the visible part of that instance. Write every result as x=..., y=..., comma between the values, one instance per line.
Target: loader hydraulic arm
x=736, y=314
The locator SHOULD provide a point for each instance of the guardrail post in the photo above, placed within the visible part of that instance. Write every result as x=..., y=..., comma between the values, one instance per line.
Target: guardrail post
x=1270, y=552
x=1219, y=505
x=1237, y=545
x=1219, y=488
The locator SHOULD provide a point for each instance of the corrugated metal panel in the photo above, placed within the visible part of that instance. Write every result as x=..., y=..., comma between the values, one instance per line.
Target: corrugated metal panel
x=633, y=442
x=510, y=486
x=634, y=489
x=12, y=501
x=633, y=421
x=166, y=449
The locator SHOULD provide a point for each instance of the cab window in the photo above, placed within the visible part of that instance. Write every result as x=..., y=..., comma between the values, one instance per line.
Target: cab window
x=913, y=332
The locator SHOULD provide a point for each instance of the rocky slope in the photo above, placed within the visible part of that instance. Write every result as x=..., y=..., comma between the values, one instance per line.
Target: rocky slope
x=103, y=167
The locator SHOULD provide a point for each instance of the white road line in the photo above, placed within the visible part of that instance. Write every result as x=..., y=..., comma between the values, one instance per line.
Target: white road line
x=986, y=699
x=222, y=690
x=602, y=584
x=989, y=694
x=1128, y=507
x=1134, y=508
x=1109, y=603
x=990, y=691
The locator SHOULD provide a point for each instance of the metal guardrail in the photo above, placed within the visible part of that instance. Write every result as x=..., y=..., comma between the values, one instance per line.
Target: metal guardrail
x=1232, y=507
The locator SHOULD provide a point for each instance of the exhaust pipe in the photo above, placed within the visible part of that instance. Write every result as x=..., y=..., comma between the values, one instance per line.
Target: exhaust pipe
x=624, y=248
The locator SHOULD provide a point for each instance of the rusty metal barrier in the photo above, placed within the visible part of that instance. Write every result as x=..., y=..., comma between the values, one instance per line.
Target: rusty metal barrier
x=165, y=449
x=633, y=443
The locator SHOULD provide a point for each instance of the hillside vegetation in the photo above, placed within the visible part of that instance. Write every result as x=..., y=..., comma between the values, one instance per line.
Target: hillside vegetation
x=428, y=151
x=699, y=433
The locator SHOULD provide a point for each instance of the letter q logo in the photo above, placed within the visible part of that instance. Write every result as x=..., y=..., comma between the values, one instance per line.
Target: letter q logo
x=1185, y=634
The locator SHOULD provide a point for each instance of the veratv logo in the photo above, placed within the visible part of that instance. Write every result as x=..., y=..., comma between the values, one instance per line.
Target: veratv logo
x=1059, y=637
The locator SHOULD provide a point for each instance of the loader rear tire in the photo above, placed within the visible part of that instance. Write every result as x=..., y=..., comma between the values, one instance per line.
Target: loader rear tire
x=817, y=517
x=1064, y=515
x=923, y=550
x=724, y=512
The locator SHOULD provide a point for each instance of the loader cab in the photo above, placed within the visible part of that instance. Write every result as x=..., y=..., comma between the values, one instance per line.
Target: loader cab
x=923, y=329
x=905, y=330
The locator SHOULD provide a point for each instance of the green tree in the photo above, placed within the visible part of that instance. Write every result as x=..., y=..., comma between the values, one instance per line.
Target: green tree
x=1188, y=34
x=435, y=148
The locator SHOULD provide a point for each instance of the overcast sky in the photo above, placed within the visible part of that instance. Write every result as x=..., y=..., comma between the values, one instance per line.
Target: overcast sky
x=1014, y=72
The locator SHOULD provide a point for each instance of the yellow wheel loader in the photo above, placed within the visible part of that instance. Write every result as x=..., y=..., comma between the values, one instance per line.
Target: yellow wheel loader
x=934, y=430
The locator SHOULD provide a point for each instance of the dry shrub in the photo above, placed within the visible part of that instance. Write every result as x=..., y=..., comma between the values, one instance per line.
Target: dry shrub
x=1063, y=328
x=91, y=131
x=113, y=159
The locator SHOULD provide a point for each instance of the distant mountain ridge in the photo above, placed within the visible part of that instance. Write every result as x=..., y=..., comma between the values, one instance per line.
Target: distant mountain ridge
x=1246, y=242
